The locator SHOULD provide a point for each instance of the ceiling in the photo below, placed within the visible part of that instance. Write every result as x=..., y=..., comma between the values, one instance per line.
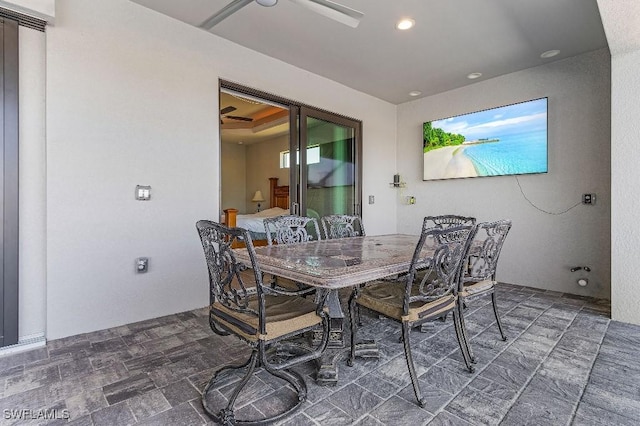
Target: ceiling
x=450, y=40
x=267, y=121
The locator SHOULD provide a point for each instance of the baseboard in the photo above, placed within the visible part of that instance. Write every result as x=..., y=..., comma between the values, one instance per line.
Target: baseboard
x=25, y=343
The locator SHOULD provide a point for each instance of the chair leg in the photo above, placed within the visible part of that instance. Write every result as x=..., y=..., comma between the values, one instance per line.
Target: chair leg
x=406, y=329
x=226, y=415
x=299, y=385
x=358, y=306
x=463, y=345
x=354, y=326
x=461, y=307
x=495, y=311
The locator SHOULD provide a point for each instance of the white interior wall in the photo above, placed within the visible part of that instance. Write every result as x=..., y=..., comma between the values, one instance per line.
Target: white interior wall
x=625, y=185
x=541, y=248
x=263, y=162
x=233, y=177
x=32, y=189
x=132, y=98
x=621, y=21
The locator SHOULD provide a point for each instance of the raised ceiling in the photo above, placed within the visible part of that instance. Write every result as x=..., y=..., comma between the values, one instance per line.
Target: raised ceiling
x=250, y=121
x=451, y=39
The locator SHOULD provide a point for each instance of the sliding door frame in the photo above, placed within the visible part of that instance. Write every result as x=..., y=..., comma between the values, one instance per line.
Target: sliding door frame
x=306, y=112
x=298, y=111
x=9, y=181
x=294, y=164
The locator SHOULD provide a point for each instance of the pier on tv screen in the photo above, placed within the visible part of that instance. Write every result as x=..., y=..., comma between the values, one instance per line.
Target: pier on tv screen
x=508, y=140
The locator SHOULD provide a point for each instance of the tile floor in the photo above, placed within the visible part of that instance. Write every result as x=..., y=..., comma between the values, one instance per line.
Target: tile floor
x=565, y=363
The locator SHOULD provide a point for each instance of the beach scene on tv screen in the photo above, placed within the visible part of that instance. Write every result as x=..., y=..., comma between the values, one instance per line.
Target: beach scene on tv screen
x=501, y=141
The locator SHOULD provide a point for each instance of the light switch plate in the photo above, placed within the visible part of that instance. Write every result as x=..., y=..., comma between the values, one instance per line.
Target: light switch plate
x=143, y=192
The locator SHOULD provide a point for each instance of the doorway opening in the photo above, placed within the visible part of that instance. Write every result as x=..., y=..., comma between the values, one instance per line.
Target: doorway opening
x=280, y=156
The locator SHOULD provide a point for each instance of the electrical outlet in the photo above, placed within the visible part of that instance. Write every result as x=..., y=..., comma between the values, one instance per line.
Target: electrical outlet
x=142, y=265
x=588, y=198
x=372, y=199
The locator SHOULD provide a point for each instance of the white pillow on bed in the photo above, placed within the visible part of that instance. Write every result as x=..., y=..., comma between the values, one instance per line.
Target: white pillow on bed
x=273, y=211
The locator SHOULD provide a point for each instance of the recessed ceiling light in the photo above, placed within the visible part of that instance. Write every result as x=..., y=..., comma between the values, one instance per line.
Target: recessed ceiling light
x=549, y=53
x=474, y=75
x=415, y=93
x=405, y=24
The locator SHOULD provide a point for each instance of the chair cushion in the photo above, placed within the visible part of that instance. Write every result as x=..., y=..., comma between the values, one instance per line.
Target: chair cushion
x=473, y=288
x=284, y=315
x=387, y=298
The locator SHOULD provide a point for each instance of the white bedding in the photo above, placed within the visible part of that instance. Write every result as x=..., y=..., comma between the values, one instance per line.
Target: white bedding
x=253, y=222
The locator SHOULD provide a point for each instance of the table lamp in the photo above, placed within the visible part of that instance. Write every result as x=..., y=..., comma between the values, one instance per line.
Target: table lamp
x=258, y=198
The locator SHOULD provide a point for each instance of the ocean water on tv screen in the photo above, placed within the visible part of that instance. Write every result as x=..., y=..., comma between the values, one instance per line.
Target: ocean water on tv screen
x=513, y=154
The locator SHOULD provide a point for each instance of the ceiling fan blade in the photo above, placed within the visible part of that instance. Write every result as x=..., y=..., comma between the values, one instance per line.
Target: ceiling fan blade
x=224, y=13
x=227, y=110
x=337, y=12
x=235, y=117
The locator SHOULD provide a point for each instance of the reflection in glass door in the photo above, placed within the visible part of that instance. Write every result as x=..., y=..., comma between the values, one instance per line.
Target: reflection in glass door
x=330, y=164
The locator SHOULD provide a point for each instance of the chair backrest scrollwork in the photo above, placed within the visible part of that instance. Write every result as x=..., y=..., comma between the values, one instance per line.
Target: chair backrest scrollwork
x=290, y=229
x=447, y=221
x=342, y=226
x=436, y=269
x=231, y=283
x=485, y=250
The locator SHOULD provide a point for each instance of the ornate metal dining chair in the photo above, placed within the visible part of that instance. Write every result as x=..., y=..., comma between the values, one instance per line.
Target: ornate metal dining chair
x=290, y=229
x=413, y=301
x=443, y=222
x=480, y=272
x=262, y=316
x=342, y=226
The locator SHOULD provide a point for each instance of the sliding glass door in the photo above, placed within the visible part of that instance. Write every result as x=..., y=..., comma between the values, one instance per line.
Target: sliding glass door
x=329, y=170
x=9, y=182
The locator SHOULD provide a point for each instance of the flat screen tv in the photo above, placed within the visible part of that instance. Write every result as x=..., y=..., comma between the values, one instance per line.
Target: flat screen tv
x=508, y=140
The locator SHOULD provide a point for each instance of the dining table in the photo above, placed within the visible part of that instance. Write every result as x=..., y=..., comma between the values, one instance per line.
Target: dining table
x=334, y=264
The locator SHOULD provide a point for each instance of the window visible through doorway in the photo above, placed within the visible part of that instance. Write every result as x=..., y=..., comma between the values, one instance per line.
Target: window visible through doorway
x=313, y=157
